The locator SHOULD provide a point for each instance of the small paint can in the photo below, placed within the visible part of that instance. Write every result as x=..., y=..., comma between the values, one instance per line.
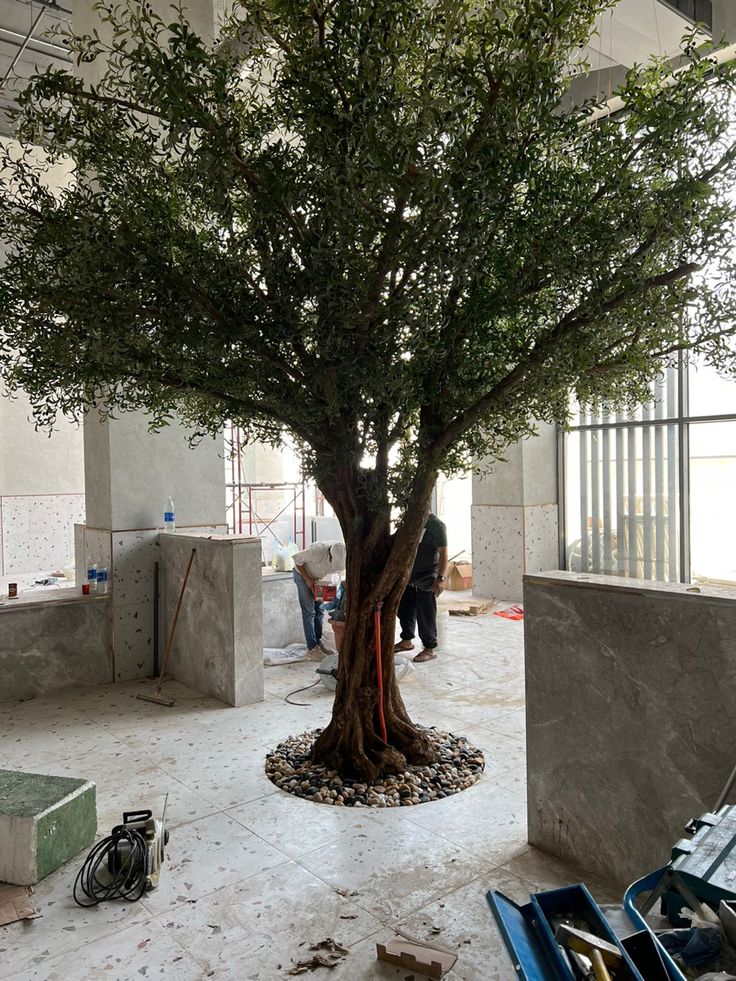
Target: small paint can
x=12, y=590
x=85, y=588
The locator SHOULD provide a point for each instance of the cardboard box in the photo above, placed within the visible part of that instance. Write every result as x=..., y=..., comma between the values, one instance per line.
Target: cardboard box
x=459, y=575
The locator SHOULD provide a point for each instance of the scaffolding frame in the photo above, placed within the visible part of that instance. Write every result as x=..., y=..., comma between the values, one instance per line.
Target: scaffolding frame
x=243, y=517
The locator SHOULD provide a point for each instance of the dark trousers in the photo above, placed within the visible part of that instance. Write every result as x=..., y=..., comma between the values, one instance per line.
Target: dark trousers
x=418, y=607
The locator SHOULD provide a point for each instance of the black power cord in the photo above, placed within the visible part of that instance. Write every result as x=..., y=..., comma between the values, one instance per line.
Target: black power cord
x=114, y=869
x=287, y=698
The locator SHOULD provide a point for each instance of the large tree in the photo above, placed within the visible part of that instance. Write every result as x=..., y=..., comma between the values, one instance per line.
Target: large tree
x=375, y=225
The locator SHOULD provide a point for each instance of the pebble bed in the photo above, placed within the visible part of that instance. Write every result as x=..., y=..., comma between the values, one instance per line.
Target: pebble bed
x=458, y=766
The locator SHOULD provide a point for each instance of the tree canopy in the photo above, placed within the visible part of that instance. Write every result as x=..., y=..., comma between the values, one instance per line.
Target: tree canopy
x=370, y=223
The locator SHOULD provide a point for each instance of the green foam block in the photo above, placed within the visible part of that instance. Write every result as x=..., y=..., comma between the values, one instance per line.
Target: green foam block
x=44, y=821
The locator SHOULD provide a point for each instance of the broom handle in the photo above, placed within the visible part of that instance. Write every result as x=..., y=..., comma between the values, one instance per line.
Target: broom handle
x=170, y=639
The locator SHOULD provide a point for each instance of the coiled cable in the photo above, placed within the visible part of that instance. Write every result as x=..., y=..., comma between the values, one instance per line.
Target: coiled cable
x=115, y=868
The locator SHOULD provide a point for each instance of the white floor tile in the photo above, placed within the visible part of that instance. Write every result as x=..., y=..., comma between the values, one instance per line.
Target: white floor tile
x=227, y=773
x=142, y=951
x=395, y=868
x=63, y=927
x=208, y=855
x=297, y=827
x=258, y=928
x=488, y=819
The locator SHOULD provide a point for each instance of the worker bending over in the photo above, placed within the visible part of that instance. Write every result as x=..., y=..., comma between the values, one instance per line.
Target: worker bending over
x=321, y=559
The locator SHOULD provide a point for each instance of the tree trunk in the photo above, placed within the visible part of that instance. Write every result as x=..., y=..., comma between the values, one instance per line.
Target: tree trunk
x=378, y=569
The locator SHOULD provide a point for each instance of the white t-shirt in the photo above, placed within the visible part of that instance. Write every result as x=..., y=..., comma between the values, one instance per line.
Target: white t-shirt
x=321, y=559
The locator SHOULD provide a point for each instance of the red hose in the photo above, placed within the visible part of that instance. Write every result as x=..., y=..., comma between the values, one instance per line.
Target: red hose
x=379, y=669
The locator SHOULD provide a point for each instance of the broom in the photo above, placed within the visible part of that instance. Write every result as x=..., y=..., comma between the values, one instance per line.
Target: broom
x=157, y=697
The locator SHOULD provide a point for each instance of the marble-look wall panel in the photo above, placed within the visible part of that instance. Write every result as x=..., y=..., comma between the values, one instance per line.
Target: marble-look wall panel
x=47, y=648
x=498, y=551
x=218, y=643
x=541, y=541
x=38, y=531
x=248, y=624
x=282, y=615
x=630, y=720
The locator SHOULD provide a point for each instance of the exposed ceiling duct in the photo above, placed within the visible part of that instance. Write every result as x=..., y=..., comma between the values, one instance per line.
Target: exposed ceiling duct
x=27, y=45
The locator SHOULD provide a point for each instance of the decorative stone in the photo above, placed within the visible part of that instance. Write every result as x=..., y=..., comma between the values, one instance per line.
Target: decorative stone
x=44, y=821
x=458, y=767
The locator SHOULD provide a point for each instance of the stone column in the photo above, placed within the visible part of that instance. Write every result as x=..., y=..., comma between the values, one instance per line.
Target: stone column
x=515, y=517
x=218, y=643
x=129, y=475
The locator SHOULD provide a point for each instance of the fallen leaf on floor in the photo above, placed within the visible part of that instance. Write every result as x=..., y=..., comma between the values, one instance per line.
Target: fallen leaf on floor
x=330, y=945
x=329, y=954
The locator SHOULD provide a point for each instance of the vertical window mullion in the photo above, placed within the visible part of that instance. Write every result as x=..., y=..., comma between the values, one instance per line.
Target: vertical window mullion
x=632, y=568
x=595, y=500
x=646, y=461
x=607, y=566
x=620, y=500
x=584, y=503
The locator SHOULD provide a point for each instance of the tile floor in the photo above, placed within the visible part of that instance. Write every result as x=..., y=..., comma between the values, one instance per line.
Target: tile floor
x=254, y=876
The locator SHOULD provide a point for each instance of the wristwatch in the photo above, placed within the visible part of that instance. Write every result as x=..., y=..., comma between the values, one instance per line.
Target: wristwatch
x=440, y=578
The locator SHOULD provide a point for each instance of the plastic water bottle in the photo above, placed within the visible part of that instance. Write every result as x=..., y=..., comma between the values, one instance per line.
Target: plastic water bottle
x=169, y=516
x=103, y=584
x=92, y=578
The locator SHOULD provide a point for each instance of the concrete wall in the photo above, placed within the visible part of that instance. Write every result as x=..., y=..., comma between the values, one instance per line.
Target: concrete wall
x=131, y=473
x=630, y=721
x=41, y=474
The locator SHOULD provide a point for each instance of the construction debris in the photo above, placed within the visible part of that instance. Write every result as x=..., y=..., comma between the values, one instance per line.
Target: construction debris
x=470, y=608
x=412, y=954
x=328, y=953
x=16, y=904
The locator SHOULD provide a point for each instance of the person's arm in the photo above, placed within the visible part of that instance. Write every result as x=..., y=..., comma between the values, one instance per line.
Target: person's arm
x=440, y=582
x=305, y=575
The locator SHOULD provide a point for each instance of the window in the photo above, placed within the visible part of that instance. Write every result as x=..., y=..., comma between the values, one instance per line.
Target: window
x=700, y=11
x=649, y=495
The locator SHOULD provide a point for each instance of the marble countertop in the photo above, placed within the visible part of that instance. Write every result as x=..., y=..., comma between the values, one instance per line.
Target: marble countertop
x=267, y=573
x=48, y=596
x=588, y=580
x=211, y=537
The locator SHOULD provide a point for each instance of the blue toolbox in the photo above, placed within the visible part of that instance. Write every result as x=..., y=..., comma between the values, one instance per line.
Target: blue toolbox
x=529, y=934
x=702, y=870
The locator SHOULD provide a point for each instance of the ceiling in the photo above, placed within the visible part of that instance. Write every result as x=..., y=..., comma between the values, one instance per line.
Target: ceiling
x=628, y=35
x=633, y=31
x=17, y=19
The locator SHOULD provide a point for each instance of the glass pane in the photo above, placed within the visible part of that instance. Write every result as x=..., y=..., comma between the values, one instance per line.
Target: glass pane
x=710, y=394
x=712, y=479
x=664, y=405
x=622, y=502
